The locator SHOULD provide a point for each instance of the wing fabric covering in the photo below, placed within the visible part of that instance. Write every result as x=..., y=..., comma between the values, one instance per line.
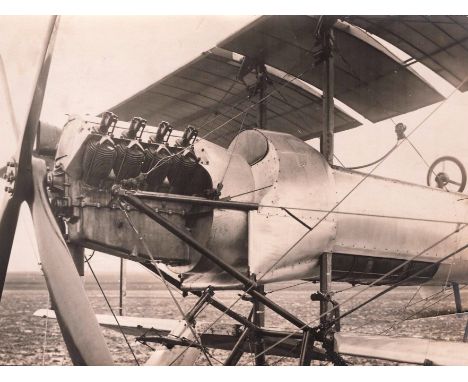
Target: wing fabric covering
x=438, y=42
x=207, y=94
x=366, y=79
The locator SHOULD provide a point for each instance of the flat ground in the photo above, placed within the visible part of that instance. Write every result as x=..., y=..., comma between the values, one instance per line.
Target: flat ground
x=25, y=340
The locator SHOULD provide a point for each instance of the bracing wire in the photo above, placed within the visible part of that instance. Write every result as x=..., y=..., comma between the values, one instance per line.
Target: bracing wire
x=44, y=340
x=179, y=308
x=365, y=302
x=349, y=193
x=112, y=310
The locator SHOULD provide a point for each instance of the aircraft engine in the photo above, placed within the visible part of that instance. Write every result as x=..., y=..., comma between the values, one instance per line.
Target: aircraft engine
x=94, y=156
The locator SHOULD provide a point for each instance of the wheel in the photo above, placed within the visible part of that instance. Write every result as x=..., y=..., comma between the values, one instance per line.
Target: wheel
x=438, y=174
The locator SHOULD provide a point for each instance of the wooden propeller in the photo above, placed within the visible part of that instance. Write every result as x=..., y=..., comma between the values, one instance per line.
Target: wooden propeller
x=26, y=176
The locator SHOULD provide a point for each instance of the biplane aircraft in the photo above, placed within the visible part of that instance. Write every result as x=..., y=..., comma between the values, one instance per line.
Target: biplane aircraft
x=206, y=179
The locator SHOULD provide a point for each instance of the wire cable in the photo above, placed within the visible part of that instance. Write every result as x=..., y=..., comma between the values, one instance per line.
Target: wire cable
x=111, y=310
x=184, y=316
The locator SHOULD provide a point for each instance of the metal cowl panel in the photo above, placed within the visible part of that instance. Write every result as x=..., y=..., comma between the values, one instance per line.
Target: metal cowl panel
x=224, y=231
x=398, y=220
x=297, y=178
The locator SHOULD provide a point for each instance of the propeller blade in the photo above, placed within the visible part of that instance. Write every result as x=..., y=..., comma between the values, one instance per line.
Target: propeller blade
x=9, y=210
x=7, y=105
x=22, y=169
x=30, y=130
x=78, y=323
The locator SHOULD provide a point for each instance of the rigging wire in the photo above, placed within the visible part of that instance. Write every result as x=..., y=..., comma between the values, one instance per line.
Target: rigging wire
x=234, y=148
x=289, y=287
x=405, y=309
x=246, y=193
x=359, y=306
x=44, y=341
x=385, y=331
x=111, y=310
x=179, y=308
x=344, y=198
x=425, y=300
x=392, y=111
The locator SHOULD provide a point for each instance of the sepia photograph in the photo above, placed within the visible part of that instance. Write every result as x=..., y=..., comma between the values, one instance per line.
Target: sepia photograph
x=234, y=189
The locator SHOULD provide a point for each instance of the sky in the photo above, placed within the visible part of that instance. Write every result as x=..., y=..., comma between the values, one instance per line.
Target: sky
x=100, y=61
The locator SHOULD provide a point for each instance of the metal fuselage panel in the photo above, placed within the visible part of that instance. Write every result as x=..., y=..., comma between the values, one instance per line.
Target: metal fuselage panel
x=389, y=219
x=293, y=178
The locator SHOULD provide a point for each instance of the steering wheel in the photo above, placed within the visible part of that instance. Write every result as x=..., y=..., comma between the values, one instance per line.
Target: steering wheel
x=443, y=174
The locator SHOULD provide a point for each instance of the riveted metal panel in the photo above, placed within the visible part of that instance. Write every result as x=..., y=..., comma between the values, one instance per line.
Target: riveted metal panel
x=298, y=176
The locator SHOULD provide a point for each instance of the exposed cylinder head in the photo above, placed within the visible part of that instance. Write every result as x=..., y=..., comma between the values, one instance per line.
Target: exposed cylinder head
x=190, y=134
x=108, y=120
x=163, y=133
x=135, y=131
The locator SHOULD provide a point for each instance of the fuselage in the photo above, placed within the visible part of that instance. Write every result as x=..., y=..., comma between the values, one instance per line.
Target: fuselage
x=371, y=224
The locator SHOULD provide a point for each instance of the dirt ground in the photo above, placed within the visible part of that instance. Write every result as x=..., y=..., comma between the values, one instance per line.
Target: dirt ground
x=26, y=341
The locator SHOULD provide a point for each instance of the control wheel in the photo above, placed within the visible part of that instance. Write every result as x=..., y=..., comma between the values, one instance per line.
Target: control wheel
x=448, y=173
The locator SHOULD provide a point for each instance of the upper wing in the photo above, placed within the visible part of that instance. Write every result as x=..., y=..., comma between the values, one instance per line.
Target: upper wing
x=369, y=78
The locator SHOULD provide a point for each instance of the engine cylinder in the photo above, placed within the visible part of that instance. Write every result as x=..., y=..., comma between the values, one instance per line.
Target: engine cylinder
x=181, y=171
x=128, y=161
x=158, y=164
x=98, y=158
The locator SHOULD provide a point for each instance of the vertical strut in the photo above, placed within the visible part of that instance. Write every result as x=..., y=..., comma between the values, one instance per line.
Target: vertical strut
x=328, y=81
x=458, y=301
x=122, y=286
x=306, y=348
x=258, y=319
x=326, y=143
x=325, y=284
x=262, y=108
